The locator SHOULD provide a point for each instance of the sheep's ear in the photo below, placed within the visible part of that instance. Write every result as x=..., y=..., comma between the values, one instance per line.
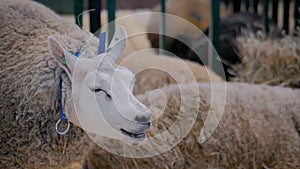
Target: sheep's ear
x=64, y=58
x=117, y=44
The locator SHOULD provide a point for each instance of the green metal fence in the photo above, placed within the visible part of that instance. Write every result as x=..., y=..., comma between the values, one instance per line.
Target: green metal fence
x=77, y=7
x=252, y=5
x=249, y=5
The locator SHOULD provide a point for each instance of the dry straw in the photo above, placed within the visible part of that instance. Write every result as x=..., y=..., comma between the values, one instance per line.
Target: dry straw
x=269, y=61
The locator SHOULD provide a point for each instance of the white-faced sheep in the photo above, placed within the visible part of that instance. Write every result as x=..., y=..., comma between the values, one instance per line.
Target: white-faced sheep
x=264, y=135
x=168, y=70
x=30, y=85
x=260, y=128
x=142, y=60
x=30, y=80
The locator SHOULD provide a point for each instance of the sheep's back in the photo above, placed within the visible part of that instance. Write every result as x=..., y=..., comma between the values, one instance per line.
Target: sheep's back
x=29, y=80
x=259, y=128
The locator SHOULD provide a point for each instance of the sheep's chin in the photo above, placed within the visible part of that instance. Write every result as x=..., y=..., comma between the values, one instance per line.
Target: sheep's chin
x=131, y=141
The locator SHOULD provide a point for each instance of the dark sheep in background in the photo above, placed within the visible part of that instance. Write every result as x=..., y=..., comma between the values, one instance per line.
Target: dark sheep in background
x=231, y=27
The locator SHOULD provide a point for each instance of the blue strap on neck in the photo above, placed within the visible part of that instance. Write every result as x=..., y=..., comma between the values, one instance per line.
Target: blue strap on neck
x=77, y=54
x=102, y=40
x=62, y=114
x=63, y=117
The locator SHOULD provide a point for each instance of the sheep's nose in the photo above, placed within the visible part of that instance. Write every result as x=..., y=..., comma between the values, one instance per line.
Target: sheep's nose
x=149, y=124
x=142, y=119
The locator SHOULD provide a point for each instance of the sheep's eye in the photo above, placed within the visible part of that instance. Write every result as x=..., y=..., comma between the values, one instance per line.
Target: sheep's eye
x=98, y=90
x=101, y=90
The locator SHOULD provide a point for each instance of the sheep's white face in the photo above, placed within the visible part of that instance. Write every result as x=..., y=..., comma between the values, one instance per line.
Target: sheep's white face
x=102, y=92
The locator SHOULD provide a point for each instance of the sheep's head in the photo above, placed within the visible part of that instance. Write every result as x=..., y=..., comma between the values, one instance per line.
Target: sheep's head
x=102, y=98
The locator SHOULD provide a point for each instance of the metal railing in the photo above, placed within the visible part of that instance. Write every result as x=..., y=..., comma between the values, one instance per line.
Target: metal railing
x=249, y=5
x=252, y=5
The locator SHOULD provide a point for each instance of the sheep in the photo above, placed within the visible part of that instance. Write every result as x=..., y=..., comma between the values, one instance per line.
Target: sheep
x=30, y=78
x=167, y=70
x=53, y=150
x=233, y=26
x=196, y=12
x=260, y=128
x=137, y=38
x=142, y=60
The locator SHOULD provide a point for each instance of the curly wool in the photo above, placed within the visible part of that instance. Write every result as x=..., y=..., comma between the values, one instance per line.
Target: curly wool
x=29, y=84
x=29, y=80
x=267, y=135
x=260, y=128
x=156, y=71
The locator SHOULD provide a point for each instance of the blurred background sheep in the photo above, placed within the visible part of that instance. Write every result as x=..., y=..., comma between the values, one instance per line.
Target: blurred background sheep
x=238, y=18
x=233, y=26
x=196, y=12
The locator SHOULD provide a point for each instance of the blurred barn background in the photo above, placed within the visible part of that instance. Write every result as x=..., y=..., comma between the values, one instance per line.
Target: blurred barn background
x=223, y=21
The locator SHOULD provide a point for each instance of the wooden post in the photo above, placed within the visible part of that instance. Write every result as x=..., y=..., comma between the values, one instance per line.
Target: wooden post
x=95, y=16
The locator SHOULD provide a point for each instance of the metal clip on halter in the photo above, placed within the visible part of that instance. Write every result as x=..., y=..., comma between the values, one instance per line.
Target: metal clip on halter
x=63, y=118
x=63, y=132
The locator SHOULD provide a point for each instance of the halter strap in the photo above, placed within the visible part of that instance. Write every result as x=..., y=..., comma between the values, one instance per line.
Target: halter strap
x=102, y=40
x=63, y=117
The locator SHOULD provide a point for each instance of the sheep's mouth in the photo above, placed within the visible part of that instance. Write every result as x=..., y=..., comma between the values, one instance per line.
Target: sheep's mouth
x=133, y=135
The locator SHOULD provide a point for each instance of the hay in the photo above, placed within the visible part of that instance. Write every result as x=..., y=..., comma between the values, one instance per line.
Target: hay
x=272, y=62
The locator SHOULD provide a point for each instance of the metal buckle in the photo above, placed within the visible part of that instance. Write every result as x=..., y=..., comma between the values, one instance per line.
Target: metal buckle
x=62, y=132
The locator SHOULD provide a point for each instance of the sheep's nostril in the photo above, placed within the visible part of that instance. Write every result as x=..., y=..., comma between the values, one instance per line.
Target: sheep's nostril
x=142, y=119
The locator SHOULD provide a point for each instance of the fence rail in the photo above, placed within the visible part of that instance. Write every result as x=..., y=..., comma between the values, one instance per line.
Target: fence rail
x=235, y=5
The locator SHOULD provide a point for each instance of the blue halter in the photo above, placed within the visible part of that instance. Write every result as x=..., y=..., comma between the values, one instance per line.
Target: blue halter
x=63, y=117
